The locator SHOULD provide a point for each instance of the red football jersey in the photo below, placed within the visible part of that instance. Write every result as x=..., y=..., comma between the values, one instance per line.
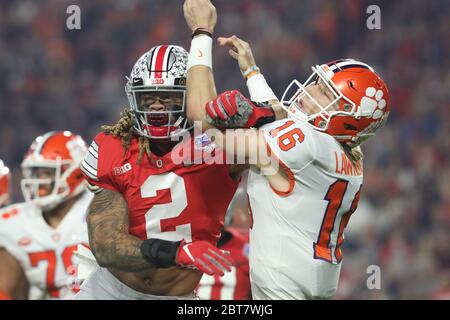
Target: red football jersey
x=234, y=285
x=166, y=199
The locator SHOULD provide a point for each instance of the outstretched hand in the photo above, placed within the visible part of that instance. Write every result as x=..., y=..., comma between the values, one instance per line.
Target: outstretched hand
x=239, y=50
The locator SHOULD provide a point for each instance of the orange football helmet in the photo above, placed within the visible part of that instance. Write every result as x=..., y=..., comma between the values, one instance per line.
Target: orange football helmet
x=5, y=184
x=358, y=107
x=60, y=153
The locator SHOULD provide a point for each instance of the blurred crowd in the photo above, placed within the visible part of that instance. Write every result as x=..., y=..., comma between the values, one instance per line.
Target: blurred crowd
x=56, y=78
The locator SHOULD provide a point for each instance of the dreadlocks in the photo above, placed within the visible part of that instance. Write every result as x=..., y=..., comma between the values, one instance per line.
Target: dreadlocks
x=123, y=129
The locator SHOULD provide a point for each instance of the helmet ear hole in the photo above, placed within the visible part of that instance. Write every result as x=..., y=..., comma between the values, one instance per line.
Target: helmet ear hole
x=351, y=85
x=349, y=127
x=347, y=107
x=322, y=123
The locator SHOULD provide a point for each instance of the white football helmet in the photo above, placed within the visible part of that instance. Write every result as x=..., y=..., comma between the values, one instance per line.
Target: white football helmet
x=163, y=70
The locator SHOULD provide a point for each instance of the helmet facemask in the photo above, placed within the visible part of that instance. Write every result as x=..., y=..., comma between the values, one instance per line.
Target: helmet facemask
x=356, y=107
x=317, y=100
x=160, y=72
x=166, y=123
x=56, y=175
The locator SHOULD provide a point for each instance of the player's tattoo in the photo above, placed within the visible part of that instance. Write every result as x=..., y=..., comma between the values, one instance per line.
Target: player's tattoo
x=110, y=242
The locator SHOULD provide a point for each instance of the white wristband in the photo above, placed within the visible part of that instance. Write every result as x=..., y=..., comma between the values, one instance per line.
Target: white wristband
x=249, y=70
x=200, y=53
x=259, y=89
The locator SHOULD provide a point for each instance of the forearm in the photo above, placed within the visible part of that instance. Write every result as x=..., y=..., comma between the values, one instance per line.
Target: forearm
x=200, y=83
x=201, y=18
x=260, y=91
x=199, y=94
x=109, y=238
x=119, y=251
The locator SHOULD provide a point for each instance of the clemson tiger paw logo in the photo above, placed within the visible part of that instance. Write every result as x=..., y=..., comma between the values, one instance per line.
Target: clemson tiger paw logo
x=372, y=104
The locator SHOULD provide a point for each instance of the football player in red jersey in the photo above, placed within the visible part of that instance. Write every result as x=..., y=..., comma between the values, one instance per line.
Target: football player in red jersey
x=154, y=222
x=5, y=184
x=38, y=237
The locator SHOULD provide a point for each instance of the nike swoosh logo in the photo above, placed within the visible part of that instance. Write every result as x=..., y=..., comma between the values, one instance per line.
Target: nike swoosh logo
x=186, y=249
x=200, y=53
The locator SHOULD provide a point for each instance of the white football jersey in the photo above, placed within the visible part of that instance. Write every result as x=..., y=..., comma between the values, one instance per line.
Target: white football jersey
x=296, y=235
x=44, y=252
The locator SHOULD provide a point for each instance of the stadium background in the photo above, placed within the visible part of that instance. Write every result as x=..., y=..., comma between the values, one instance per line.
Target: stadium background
x=55, y=78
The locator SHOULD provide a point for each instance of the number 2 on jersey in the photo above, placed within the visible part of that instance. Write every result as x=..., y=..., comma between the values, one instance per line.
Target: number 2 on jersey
x=170, y=190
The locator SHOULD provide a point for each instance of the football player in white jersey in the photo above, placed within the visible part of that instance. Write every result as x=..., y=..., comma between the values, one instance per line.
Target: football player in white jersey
x=301, y=208
x=38, y=236
x=5, y=184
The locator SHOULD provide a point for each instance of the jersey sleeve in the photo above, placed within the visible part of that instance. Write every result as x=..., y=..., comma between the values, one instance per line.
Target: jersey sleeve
x=98, y=164
x=7, y=243
x=291, y=142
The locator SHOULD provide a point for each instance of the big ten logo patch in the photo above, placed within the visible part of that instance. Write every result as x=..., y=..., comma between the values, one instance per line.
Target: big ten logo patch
x=121, y=170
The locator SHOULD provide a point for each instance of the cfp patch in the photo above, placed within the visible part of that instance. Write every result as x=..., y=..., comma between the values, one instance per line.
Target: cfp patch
x=203, y=142
x=180, y=81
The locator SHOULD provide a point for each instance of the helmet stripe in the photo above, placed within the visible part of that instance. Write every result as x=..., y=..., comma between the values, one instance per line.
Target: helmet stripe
x=166, y=61
x=153, y=61
x=41, y=142
x=339, y=65
x=159, y=61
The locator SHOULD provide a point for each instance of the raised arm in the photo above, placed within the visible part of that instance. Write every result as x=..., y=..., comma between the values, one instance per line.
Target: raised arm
x=247, y=145
x=258, y=88
x=200, y=15
x=232, y=109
